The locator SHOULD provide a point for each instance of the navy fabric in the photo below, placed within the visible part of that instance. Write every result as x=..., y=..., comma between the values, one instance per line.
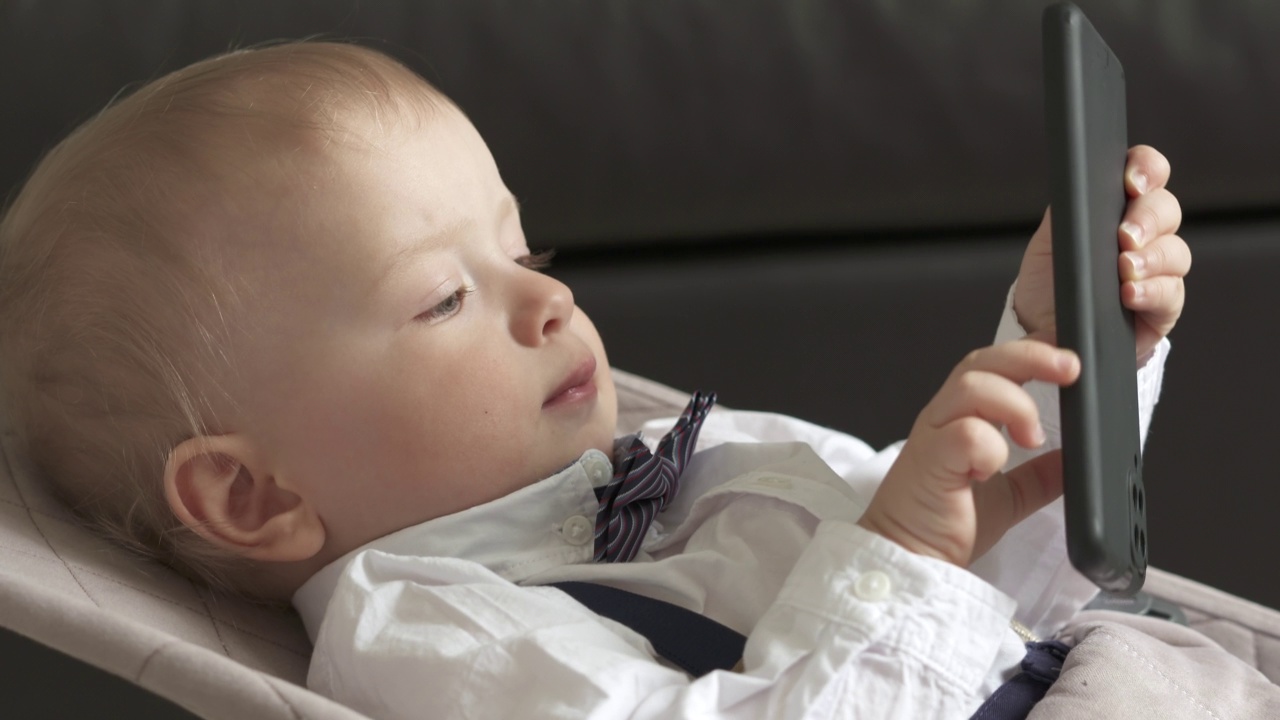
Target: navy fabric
x=694, y=643
x=644, y=483
x=1014, y=699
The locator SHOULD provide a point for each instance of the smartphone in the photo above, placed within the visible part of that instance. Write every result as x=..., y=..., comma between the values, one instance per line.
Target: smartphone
x=1085, y=120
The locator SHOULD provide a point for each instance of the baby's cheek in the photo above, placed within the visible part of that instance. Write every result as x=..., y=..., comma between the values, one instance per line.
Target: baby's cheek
x=607, y=411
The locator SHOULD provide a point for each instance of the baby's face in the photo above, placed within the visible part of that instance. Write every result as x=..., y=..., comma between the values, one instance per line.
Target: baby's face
x=403, y=363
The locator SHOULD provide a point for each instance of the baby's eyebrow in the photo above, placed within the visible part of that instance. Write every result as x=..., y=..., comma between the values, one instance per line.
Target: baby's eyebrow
x=506, y=206
x=420, y=245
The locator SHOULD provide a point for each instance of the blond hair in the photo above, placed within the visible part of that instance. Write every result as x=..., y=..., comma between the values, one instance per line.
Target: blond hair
x=114, y=317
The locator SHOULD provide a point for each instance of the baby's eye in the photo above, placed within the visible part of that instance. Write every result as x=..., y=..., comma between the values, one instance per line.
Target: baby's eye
x=537, y=261
x=449, y=306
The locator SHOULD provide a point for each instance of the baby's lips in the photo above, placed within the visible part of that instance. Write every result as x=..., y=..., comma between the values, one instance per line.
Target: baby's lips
x=580, y=375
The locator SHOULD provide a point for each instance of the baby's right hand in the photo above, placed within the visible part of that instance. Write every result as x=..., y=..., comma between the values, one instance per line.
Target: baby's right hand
x=944, y=496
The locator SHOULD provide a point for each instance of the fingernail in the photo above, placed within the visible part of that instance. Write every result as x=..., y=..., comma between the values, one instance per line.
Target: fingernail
x=1066, y=360
x=1038, y=436
x=1133, y=230
x=1139, y=181
x=1138, y=292
x=1138, y=262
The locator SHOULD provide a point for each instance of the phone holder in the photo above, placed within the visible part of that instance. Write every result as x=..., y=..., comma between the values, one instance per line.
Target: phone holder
x=1140, y=604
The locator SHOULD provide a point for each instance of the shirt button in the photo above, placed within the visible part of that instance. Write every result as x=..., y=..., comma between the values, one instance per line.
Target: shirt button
x=578, y=530
x=872, y=586
x=598, y=468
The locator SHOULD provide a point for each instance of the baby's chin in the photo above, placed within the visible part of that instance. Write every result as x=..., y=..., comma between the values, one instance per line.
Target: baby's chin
x=571, y=454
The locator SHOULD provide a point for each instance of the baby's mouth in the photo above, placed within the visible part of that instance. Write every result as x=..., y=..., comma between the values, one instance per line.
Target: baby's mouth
x=578, y=385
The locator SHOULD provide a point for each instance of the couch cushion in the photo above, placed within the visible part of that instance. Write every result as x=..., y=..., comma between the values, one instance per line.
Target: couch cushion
x=636, y=119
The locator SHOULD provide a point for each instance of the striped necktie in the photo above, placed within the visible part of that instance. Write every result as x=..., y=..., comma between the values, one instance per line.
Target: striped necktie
x=644, y=483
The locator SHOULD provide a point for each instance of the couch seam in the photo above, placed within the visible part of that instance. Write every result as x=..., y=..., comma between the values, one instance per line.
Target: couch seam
x=188, y=608
x=280, y=696
x=142, y=669
x=212, y=620
x=1134, y=652
x=31, y=516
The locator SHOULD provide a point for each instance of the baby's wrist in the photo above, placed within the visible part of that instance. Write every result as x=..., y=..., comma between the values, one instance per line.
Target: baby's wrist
x=897, y=533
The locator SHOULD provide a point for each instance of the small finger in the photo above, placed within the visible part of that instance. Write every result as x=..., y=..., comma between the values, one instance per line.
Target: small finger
x=1166, y=255
x=1152, y=215
x=970, y=449
x=1023, y=361
x=1146, y=169
x=1008, y=498
x=1159, y=300
x=994, y=398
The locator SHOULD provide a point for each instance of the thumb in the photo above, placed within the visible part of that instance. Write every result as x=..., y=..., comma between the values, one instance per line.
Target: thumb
x=1006, y=499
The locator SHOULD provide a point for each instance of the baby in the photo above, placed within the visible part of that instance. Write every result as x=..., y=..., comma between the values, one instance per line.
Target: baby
x=272, y=320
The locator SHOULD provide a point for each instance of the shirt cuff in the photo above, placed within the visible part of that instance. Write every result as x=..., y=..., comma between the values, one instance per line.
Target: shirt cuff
x=941, y=615
x=1009, y=327
x=1044, y=394
x=1150, y=379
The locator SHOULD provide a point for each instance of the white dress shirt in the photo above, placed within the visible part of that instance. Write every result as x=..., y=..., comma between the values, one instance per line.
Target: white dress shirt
x=447, y=620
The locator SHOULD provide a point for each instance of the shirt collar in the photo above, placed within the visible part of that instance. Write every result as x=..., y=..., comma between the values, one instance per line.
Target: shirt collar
x=535, y=528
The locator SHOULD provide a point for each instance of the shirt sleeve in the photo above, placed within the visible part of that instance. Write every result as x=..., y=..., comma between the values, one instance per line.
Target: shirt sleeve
x=861, y=629
x=1030, y=563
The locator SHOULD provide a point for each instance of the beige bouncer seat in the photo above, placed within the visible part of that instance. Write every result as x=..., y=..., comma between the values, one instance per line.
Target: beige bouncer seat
x=225, y=658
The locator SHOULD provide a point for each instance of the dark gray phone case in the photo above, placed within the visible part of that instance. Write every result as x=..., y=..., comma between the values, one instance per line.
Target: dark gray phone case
x=1101, y=454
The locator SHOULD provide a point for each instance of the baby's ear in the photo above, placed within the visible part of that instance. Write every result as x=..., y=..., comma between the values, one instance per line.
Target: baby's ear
x=219, y=487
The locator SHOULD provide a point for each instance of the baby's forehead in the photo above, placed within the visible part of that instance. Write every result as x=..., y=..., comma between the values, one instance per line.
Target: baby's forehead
x=241, y=110
x=258, y=128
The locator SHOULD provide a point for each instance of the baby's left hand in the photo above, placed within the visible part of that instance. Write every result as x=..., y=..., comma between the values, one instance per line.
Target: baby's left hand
x=1153, y=259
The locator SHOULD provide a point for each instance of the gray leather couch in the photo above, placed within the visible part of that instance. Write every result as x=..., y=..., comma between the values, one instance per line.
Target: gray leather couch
x=812, y=206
